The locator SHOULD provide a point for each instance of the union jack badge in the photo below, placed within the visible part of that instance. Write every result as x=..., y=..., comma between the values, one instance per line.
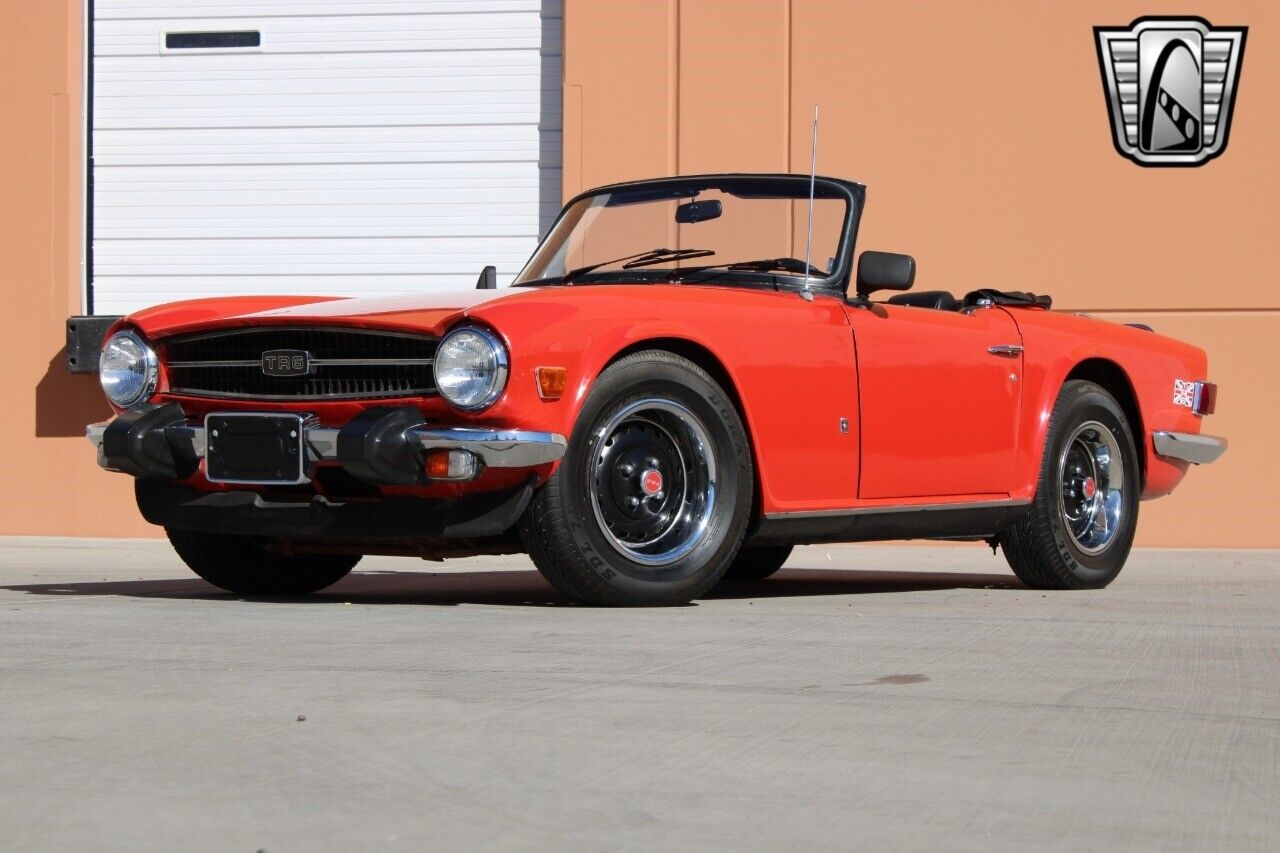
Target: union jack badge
x=1170, y=85
x=1184, y=393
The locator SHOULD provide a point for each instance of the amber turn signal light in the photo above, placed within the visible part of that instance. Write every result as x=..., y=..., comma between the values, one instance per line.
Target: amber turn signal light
x=451, y=465
x=551, y=382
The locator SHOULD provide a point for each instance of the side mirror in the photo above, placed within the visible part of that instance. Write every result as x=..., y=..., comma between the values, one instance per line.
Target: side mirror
x=885, y=271
x=699, y=211
x=488, y=278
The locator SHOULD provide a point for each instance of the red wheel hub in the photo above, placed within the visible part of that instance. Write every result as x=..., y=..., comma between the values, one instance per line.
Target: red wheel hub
x=1090, y=488
x=651, y=481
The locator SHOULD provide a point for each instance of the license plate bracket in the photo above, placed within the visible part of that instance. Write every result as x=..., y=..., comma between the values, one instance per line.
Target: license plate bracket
x=255, y=448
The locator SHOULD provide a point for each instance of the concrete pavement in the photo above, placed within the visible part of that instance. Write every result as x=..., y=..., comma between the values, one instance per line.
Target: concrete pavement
x=906, y=698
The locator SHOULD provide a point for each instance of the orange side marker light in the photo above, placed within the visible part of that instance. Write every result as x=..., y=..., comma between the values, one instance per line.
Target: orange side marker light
x=551, y=382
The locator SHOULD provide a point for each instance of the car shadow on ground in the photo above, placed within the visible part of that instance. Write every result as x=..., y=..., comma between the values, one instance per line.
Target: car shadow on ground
x=527, y=588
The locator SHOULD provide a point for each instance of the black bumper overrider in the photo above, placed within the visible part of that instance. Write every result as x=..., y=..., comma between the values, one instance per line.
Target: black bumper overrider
x=149, y=441
x=475, y=516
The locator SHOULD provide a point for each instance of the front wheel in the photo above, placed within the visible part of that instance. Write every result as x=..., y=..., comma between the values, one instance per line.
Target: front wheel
x=1079, y=529
x=651, y=501
x=239, y=564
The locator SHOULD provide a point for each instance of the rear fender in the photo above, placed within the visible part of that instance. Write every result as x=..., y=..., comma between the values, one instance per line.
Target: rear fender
x=1149, y=363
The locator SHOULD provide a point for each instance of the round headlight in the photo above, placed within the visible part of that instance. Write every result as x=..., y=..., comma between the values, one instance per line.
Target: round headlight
x=127, y=369
x=471, y=368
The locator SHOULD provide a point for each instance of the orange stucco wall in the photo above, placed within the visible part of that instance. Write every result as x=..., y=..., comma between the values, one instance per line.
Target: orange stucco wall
x=48, y=484
x=979, y=129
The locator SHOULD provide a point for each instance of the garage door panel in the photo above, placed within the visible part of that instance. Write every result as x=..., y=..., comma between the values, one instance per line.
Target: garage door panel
x=469, y=144
x=492, y=89
x=121, y=9
x=396, y=114
x=151, y=227
x=341, y=34
x=366, y=147
x=335, y=198
x=204, y=66
x=287, y=176
x=432, y=107
x=354, y=255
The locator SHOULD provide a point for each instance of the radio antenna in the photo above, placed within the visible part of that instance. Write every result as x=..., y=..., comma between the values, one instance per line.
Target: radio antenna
x=808, y=240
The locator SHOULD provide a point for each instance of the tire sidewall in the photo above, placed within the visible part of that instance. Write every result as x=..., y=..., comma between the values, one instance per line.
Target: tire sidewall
x=623, y=384
x=1092, y=404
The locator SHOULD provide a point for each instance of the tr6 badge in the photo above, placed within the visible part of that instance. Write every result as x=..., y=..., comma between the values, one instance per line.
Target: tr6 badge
x=286, y=362
x=1170, y=85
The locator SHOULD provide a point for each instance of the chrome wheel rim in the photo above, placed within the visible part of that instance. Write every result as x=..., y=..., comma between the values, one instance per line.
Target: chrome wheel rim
x=1091, y=487
x=652, y=481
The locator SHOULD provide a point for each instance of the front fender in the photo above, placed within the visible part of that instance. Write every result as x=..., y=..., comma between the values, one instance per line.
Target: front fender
x=790, y=361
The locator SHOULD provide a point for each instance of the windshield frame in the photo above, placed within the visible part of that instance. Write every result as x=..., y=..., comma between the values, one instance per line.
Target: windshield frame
x=795, y=186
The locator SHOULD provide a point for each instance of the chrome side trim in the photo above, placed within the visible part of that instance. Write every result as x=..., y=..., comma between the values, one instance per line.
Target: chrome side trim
x=315, y=362
x=1188, y=447
x=303, y=398
x=881, y=510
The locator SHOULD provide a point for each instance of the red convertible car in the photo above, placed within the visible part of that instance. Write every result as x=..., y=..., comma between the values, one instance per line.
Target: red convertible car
x=666, y=396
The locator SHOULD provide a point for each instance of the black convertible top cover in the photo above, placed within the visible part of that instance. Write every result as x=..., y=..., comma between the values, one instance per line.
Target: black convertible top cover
x=1015, y=298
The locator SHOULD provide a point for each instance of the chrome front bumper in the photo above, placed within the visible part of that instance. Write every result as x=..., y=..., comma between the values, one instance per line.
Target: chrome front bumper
x=495, y=448
x=1188, y=447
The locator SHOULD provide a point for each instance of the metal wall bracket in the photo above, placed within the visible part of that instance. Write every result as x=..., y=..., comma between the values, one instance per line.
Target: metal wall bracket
x=84, y=341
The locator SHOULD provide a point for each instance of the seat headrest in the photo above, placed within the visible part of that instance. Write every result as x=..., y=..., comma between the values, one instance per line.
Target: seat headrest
x=940, y=299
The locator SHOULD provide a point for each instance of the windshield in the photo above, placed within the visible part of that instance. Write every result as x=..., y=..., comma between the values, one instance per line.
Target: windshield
x=671, y=230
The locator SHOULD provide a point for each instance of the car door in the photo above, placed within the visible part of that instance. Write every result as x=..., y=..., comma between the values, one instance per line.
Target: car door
x=939, y=393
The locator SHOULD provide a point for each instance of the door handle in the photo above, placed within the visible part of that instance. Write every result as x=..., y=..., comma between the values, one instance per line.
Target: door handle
x=1007, y=350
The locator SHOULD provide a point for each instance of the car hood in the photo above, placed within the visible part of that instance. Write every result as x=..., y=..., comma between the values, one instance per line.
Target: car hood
x=406, y=312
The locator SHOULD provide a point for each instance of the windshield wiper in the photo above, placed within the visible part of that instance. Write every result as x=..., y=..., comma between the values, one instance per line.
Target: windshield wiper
x=764, y=265
x=641, y=259
x=792, y=265
x=668, y=255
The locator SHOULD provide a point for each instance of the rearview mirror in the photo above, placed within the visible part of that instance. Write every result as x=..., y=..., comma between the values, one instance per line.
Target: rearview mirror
x=699, y=211
x=885, y=271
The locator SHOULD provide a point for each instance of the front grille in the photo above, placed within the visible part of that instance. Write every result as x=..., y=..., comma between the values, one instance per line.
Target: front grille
x=347, y=364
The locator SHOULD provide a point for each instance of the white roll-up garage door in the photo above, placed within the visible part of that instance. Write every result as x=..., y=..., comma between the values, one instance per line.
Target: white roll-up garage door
x=318, y=146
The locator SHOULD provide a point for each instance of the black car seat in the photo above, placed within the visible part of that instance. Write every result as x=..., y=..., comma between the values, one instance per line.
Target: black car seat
x=939, y=299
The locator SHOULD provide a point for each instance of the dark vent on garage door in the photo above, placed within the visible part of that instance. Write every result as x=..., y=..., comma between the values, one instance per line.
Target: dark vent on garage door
x=212, y=40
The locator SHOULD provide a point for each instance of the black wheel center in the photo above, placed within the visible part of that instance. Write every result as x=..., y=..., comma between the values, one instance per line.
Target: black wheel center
x=1079, y=483
x=640, y=480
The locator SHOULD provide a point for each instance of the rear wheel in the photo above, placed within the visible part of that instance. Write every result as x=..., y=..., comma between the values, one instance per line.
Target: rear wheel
x=650, y=503
x=239, y=564
x=1079, y=529
x=757, y=563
